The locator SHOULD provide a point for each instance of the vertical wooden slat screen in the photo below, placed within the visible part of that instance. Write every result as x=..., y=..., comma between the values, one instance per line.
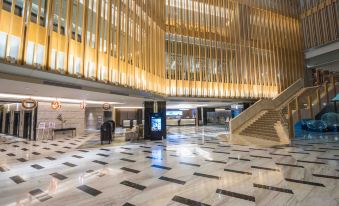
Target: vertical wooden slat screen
x=191, y=48
x=240, y=48
x=320, y=21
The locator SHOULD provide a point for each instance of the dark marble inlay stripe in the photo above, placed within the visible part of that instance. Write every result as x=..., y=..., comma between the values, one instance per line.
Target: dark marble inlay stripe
x=278, y=189
x=161, y=167
x=103, y=155
x=127, y=160
x=299, y=152
x=259, y=156
x=145, y=146
x=328, y=148
x=89, y=190
x=38, y=167
x=133, y=185
x=40, y=195
x=265, y=168
x=236, y=195
x=22, y=160
x=239, y=150
x=186, y=201
x=11, y=154
x=206, y=175
x=305, y=182
x=69, y=164
x=220, y=145
x=146, y=151
x=36, y=153
x=44, y=197
x=100, y=162
x=257, y=149
x=172, y=180
x=220, y=152
x=236, y=158
x=50, y=158
x=126, y=148
x=326, y=176
x=58, y=176
x=285, y=155
x=105, y=149
x=216, y=161
x=36, y=192
x=237, y=171
x=313, y=150
x=289, y=165
x=78, y=156
x=154, y=158
x=130, y=170
x=328, y=158
x=17, y=179
x=3, y=169
x=128, y=204
x=190, y=164
x=60, y=152
x=312, y=162
x=82, y=150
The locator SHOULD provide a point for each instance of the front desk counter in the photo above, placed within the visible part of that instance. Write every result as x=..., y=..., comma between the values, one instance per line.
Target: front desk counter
x=180, y=122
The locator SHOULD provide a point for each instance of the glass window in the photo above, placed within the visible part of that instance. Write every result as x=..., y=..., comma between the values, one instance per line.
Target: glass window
x=77, y=65
x=3, y=39
x=35, y=11
x=43, y=12
x=53, y=57
x=74, y=18
x=40, y=54
x=80, y=21
x=7, y=5
x=60, y=60
x=56, y=16
x=63, y=17
x=30, y=53
x=14, y=47
x=70, y=64
x=19, y=5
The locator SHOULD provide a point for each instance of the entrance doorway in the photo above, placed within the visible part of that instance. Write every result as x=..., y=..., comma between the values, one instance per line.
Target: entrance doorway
x=16, y=124
x=27, y=125
x=7, y=122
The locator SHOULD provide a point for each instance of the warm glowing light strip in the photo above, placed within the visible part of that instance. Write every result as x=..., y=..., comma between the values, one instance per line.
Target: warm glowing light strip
x=128, y=107
x=49, y=99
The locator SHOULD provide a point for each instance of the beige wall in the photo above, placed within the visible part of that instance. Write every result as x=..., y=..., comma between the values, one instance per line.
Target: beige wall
x=91, y=117
x=74, y=116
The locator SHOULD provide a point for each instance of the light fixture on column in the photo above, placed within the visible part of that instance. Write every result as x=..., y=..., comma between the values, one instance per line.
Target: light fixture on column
x=56, y=105
x=29, y=103
x=106, y=106
x=83, y=105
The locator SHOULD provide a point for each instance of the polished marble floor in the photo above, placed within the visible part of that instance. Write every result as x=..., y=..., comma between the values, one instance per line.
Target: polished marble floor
x=194, y=166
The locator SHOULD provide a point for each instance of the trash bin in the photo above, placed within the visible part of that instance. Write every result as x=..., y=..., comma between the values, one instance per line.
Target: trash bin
x=106, y=132
x=112, y=123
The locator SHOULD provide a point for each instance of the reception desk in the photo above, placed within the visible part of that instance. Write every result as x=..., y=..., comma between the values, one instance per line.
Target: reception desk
x=172, y=122
x=187, y=122
x=180, y=122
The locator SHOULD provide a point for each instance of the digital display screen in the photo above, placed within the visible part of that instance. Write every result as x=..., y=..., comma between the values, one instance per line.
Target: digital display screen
x=156, y=124
x=173, y=113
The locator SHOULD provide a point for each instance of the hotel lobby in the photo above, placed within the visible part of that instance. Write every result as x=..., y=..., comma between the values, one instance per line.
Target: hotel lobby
x=169, y=102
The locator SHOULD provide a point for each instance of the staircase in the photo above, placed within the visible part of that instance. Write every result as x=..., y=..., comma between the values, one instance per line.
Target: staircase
x=270, y=119
x=264, y=126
